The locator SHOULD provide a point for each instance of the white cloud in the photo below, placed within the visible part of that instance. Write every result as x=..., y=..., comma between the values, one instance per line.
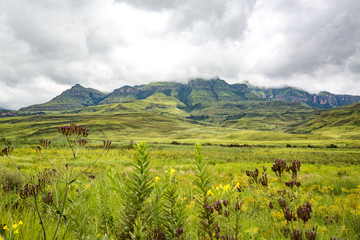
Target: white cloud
x=48, y=46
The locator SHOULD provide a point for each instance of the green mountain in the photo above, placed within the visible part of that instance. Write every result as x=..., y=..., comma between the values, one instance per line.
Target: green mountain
x=121, y=94
x=324, y=100
x=76, y=97
x=197, y=94
x=340, y=122
x=213, y=102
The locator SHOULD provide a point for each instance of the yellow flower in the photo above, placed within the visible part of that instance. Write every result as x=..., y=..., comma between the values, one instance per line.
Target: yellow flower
x=184, y=198
x=226, y=187
x=209, y=192
x=20, y=222
x=16, y=232
x=15, y=226
x=157, y=179
x=5, y=228
x=172, y=171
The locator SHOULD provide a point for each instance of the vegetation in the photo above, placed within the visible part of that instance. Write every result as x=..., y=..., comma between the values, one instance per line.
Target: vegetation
x=173, y=192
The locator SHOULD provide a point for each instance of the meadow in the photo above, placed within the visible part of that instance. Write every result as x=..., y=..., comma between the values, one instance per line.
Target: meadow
x=178, y=191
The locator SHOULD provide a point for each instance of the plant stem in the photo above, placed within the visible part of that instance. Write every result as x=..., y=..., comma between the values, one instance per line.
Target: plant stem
x=68, y=182
x=41, y=222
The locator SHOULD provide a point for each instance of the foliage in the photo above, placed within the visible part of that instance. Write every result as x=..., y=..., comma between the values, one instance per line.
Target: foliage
x=172, y=192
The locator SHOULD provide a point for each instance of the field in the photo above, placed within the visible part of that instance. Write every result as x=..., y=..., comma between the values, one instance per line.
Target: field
x=179, y=190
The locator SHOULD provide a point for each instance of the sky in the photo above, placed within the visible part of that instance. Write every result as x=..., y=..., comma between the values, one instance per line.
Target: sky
x=47, y=46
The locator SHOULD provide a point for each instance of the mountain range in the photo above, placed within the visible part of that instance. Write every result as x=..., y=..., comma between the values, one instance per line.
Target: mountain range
x=199, y=109
x=196, y=94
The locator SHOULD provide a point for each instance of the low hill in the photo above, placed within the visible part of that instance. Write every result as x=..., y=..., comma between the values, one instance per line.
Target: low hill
x=157, y=103
x=339, y=122
x=139, y=126
x=76, y=97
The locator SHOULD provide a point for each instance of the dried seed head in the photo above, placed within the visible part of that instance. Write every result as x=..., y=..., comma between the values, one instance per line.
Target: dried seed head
x=45, y=143
x=6, y=187
x=74, y=129
x=279, y=166
x=48, y=199
x=6, y=151
x=179, y=232
x=227, y=213
x=296, y=235
x=217, y=206
x=38, y=149
x=311, y=234
x=282, y=202
x=237, y=206
x=107, y=144
x=225, y=202
x=81, y=142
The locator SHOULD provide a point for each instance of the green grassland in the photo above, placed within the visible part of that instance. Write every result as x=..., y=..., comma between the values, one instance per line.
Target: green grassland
x=329, y=180
x=121, y=123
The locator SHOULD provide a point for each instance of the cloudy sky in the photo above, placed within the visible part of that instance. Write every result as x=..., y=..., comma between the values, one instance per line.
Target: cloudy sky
x=46, y=46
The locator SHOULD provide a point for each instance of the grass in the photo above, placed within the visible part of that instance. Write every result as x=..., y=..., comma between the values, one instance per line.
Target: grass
x=329, y=180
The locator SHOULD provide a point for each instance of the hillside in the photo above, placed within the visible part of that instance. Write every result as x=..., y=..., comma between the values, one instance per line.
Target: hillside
x=76, y=97
x=343, y=121
x=322, y=100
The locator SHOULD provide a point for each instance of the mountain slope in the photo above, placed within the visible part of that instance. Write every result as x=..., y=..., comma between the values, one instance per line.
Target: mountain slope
x=76, y=97
x=322, y=100
x=121, y=94
x=339, y=122
x=157, y=103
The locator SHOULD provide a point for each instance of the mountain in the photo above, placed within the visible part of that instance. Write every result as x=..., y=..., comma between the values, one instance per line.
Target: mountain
x=342, y=121
x=322, y=100
x=76, y=97
x=121, y=94
x=200, y=98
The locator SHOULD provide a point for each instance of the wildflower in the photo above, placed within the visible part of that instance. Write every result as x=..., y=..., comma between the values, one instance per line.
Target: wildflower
x=15, y=226
x=20, y=222
x=5, y=228
x=225, y=202
x=209, y=192
x=226, y=187
x=179, y=231
x=279, y=167
x=16, y=231
x=237, y=206
x=157, y=179
x=184, y=198
x=172, y=171
x=217, y=206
